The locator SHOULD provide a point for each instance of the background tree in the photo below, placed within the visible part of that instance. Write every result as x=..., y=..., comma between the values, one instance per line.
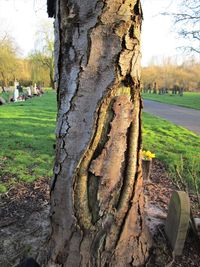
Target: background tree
x=169, y=73
x=8, y=60
x=187, y=21
x=97, y=202
x=43, y=55
x=39, y=72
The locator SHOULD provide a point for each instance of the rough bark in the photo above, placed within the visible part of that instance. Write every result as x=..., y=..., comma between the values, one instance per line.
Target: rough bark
x=96, y=195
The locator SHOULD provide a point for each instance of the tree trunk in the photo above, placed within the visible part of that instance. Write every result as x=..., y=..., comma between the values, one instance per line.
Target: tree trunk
x=4, y=80
x=97, y=193
x=51, y=75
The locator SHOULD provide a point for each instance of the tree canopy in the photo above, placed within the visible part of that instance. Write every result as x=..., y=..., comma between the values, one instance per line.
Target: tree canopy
x=38, y=67
x=8, y=59
x=169, y=74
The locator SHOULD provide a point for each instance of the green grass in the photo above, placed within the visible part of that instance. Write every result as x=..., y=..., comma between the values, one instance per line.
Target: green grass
x=27, y=137
x=175, y=146
x=189, y=100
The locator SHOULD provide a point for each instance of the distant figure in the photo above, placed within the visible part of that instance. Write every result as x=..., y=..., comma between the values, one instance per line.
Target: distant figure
x=29, y=262
x=3, y=89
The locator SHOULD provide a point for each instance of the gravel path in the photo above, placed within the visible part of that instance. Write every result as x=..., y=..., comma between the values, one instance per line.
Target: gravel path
x=186, y=117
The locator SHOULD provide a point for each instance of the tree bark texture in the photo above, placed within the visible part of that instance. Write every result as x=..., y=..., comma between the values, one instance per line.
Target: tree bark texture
x=97, y=194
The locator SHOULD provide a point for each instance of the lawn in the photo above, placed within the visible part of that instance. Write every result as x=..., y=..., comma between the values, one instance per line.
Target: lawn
x=189, y=100
x=27, y=138
x=178, y=147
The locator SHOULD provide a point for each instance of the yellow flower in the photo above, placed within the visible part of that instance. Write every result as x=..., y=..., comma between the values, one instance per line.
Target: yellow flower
x=147, y=155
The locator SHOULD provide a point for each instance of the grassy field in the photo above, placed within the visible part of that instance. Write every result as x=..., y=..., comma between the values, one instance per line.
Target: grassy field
x=176, y=146
x=27, y=137
x=189, y=100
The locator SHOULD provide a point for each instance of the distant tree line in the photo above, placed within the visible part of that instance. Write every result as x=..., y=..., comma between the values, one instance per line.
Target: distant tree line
x=170, y=76
x=37, y=67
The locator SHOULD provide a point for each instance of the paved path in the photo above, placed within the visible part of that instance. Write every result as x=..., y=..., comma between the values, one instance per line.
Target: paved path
x=186, y=117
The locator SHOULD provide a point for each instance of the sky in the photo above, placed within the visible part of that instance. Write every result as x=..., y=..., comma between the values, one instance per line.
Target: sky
x=159, y=39
x=21, y=17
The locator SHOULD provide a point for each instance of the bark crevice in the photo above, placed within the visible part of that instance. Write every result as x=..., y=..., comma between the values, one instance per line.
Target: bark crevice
x=97, y=168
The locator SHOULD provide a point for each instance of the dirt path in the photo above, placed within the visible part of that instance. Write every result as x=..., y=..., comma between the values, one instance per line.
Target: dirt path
x=186, y=117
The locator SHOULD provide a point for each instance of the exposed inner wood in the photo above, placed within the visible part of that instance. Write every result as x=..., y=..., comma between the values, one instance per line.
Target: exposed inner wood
x=96, y=196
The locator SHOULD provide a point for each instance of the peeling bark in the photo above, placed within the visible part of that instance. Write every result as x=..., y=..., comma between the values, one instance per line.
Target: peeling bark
x=96, y=195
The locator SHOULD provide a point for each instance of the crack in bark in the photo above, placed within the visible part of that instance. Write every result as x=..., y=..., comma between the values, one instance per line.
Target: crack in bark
x=83, y=168
x=100, y=237
x=97, y=234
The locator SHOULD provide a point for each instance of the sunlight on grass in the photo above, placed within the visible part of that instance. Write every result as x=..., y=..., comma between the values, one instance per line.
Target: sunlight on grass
x=189, y=99
x=171, y=143
x=27, y=138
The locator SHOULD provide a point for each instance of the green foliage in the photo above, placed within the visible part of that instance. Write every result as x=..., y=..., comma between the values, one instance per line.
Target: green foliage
x=27, y=137
x=189, y=99
x=170, y=143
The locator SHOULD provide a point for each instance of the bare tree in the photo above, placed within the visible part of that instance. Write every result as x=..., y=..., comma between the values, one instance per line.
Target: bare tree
x=97, y=202
x=187, y=21
x=44, y=49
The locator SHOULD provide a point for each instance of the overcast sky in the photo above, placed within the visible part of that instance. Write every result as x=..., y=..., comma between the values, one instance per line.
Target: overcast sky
x=21, y=17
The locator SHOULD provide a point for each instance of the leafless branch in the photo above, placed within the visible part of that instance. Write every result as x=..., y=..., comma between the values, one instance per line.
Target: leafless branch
x=187, y=20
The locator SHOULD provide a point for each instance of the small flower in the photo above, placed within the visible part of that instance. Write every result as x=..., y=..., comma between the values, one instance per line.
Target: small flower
x=147, y=155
